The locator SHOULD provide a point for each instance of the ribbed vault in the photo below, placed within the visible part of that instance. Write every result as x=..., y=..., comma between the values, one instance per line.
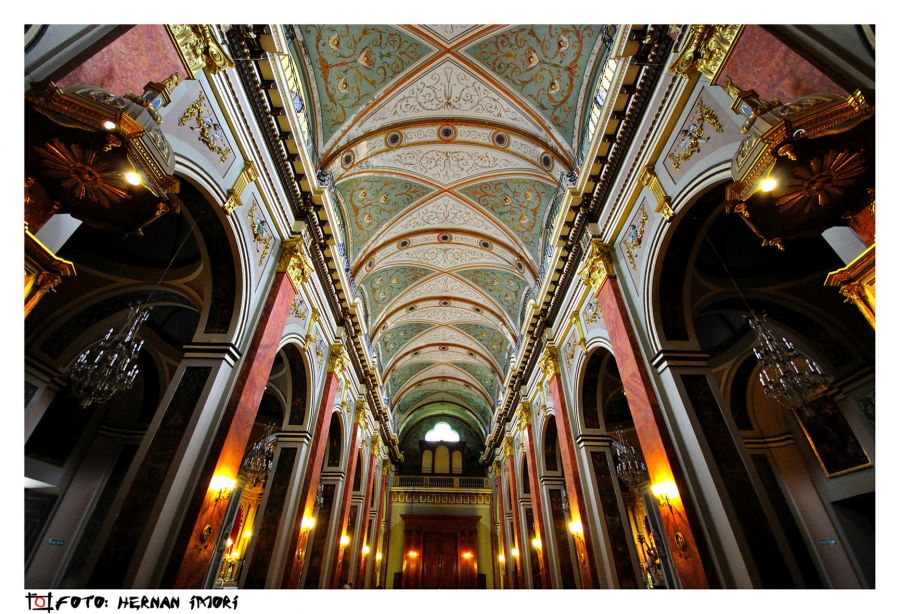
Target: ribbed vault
x=446, y=144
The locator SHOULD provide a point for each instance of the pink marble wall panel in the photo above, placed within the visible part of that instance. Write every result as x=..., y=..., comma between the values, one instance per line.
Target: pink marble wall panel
x=761, y=62
x=144, y=53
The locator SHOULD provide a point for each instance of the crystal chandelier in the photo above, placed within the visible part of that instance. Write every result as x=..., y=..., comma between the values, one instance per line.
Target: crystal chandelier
x=786, y=374
x=110, y=365
x=258, y=462
x=630, y=468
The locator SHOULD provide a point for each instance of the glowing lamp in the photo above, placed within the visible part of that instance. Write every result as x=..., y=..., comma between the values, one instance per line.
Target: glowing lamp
x=229, y=543
x=536, y=543
x=377, y=556
x=576, y=528
x=467, y=555
x=514, y=552
x=133, y=178
x=768, y=184
x=501, y=558
x=248, y=534
x=664, y=493
x=345, y=539
x=307, y=523
x=109, y=125
x=365, y=550
x=223, y=486
x=412, y=554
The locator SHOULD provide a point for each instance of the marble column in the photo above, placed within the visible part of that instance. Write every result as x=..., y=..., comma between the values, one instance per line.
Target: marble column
x=517, y=544
x=379, y=519
x=304, y=518
x=647, y=417
x=341, y=549
x=566, y=439
x=501, y=520
x=360, y=578
x=241, y=414
x=524, y=414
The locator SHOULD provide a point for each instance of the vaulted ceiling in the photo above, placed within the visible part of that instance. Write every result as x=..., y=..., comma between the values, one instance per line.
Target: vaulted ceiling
x=446, y=143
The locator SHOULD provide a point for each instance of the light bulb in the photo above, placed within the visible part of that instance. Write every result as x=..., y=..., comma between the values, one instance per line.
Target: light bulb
x=768, y=184
x=133, y=178
x=109, y=125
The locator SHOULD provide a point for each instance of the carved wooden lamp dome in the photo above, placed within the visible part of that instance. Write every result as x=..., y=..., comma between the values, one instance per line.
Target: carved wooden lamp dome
x=802, y=167
x=100, y=157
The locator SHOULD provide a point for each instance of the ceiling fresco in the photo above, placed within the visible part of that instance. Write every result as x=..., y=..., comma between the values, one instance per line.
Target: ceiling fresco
x=446, y=144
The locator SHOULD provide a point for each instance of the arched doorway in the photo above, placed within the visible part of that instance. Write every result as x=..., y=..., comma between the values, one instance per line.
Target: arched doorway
x=773, y=490
x=191, y=292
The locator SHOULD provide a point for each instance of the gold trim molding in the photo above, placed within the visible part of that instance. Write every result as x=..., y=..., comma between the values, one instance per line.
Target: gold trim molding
x=856, y=282
x=705, y=52
x=663, y=201
x=198, y=48
x=247, y=176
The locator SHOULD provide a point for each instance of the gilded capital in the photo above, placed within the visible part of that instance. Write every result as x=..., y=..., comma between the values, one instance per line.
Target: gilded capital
x=360, y=412
x=706, y=50
x=524, y=414
x=550, y=362
x=338, y=359
x=376, y=445
x=293, y=262
x=198, y=48
x=507, y=446
x=597, y=266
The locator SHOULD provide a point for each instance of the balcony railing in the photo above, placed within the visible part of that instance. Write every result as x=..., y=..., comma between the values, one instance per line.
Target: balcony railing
x=435, y=481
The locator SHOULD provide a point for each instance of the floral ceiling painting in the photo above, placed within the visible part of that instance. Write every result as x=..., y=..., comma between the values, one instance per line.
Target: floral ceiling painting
x=446, y=145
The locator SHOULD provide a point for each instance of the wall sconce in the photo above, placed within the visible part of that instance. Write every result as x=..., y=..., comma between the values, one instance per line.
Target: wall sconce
x=345, y=539
x=536, y=543
x=576, y=528
x=664, y=493
x=307, y=523
x=222, y=486
x=514, y=552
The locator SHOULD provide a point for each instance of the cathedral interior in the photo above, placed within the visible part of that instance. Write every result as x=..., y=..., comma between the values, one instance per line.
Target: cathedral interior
x=449, y=306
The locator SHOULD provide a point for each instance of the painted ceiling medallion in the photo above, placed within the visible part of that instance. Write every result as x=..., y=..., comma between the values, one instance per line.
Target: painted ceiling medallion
x=446, y=133
x=393, y=139
x=546, y=161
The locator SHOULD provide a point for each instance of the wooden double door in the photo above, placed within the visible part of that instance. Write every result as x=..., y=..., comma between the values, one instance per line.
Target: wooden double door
x=439, y=552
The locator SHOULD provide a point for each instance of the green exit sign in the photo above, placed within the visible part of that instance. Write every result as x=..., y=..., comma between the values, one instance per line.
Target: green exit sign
x=57, y=542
